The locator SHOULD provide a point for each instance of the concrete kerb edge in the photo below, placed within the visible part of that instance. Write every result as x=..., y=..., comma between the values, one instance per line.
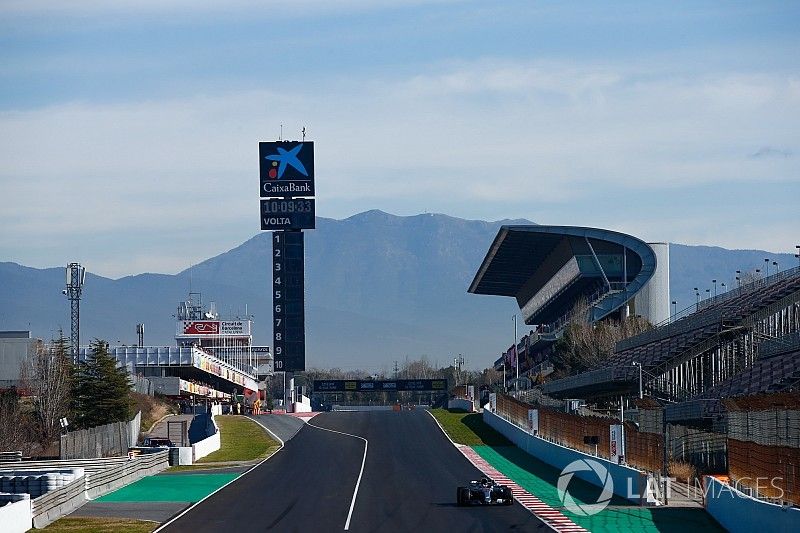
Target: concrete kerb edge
x=270, y=456
x=460, y=448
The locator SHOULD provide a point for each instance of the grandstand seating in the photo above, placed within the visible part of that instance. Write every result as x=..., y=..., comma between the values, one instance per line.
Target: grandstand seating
x=718, y=320
x=768, y=374
x=709, y=322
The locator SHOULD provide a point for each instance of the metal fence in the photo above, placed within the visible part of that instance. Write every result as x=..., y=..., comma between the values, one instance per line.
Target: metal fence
x=770, y=470
x=707, y=451
x=101, y=441
x=643, y=450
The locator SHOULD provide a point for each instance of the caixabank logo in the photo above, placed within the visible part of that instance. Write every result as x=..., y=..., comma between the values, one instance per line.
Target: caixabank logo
x=286, y=168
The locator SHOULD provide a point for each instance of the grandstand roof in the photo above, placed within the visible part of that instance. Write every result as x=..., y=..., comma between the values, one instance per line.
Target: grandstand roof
x=546, y=268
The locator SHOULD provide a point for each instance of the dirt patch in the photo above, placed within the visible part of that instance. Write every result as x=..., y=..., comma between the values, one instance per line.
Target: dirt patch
x=153, y=408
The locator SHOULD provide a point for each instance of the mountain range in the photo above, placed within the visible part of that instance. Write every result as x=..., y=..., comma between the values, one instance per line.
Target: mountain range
x=379, y=288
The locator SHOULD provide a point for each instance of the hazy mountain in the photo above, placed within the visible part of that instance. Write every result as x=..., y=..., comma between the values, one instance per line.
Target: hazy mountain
x=378, y=288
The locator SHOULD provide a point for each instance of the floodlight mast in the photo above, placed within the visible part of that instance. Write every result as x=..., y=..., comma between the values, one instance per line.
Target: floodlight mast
x=76, y=275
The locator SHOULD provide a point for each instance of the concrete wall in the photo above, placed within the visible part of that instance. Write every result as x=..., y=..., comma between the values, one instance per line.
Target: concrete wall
x=653, y=301
x=15, y=512
x=738, y=512
x=168, y=386
x=15, y=347
x=180, y=455
x=460, y=403
x=209, y=444
x=629, y=483
x=303, y=406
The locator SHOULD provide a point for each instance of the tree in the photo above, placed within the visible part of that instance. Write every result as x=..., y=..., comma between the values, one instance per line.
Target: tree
x=100, y=390
x=14, y=423
x=46, y=374
x=585, y=345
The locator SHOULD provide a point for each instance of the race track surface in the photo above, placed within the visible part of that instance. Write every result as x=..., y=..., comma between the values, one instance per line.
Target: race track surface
x=408, y=484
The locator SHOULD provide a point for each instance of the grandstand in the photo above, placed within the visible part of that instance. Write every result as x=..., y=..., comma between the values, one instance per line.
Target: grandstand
x=728, y=346
x=547, y=269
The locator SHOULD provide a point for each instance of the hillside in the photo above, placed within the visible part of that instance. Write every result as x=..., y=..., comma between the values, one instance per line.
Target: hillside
x=379, y=288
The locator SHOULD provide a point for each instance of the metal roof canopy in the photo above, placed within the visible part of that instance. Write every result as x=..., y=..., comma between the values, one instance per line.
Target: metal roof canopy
x=519, y=253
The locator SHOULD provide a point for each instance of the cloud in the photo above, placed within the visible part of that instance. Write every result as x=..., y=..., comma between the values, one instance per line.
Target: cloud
x=767, y=151
x=489, y=138
x=85, y=8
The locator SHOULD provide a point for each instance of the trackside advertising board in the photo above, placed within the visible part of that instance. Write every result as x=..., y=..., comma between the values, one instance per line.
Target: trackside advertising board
x=359, y=385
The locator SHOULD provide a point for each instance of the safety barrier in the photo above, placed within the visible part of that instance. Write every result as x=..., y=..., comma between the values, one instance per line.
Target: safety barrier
x=208, y=445
x=461, y=403
x=57, y=503
x=642, y=450
x=92, y=478
x=626, y=482
x=738, y=512
x=15, y=513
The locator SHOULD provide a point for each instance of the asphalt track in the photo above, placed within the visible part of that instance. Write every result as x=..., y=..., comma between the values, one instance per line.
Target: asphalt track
x=409, y=483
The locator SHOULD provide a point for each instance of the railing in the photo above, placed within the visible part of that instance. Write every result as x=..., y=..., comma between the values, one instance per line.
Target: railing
x=705, y=314
x=749, y=287
x=100, y=476
x=779, y=345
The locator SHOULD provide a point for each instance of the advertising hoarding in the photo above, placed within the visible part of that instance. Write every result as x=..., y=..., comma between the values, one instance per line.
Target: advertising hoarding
x=214, y=327
x=360, y=385
x=286, y=168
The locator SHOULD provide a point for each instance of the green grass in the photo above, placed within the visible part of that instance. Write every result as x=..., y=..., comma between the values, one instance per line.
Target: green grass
x=100, y=525
x=468, y=428
x=241, y=440
x=195, y=467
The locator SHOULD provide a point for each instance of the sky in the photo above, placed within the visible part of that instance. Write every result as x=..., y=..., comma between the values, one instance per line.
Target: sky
x=130, y=129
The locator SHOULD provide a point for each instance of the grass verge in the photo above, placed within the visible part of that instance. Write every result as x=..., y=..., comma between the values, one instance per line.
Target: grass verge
x=468, y=428
x=195, y=467
x=100, y=525
x=241, y=439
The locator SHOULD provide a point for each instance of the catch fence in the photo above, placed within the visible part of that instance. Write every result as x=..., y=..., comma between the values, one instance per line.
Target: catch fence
x=108, y=440
x=643, y=450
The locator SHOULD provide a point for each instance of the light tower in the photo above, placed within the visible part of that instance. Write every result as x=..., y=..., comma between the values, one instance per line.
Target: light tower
x=76, y=275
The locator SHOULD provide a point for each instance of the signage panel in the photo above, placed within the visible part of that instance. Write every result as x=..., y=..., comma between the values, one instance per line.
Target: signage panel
x=286, y=168
x=288, y=301
x=615, y=443
x=287, y=214
x=201, y=327
x=214, y=327
x=341, y=385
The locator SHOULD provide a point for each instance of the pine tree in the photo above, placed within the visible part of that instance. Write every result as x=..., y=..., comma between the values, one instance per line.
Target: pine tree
x=100, y=389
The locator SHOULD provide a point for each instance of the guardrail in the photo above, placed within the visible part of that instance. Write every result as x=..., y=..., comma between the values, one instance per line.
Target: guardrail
x=104, y=481
x=55, y=504
x=100, y=476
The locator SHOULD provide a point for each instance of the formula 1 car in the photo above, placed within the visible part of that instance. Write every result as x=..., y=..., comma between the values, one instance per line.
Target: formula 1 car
x=484, y=492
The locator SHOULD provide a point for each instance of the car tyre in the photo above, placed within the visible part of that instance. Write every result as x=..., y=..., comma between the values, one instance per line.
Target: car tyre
x=509, y=496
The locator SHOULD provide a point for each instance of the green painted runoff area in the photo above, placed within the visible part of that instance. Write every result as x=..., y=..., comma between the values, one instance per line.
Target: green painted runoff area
x=170, y=488
x=540, y=479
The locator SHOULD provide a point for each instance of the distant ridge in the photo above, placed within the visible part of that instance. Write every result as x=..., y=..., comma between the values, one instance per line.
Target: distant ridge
x=380, y=287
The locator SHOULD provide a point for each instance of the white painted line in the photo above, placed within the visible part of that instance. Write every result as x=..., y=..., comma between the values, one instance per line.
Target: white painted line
x=361, y=473
x=229, y=482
